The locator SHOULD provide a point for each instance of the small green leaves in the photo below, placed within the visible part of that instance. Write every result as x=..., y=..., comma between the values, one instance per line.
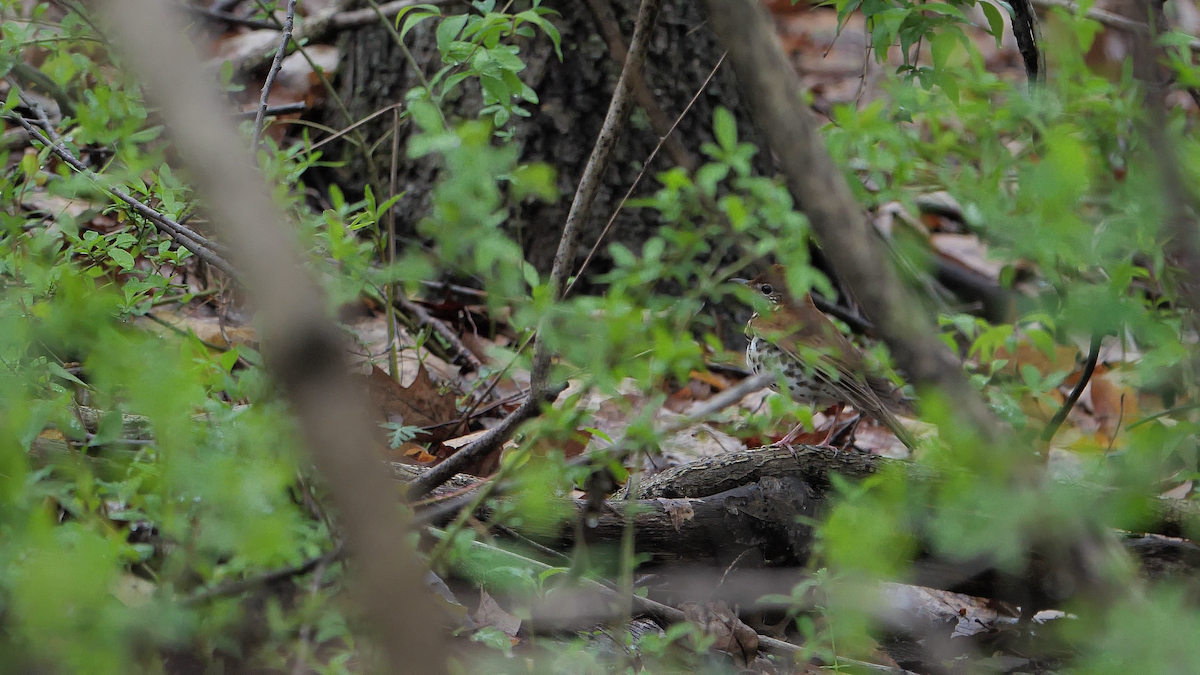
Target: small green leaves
x=995, y=21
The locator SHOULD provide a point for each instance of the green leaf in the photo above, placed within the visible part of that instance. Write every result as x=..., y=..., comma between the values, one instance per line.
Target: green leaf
x=725, y=128
x=121, y=257
x=995, y=21
x=419, y=13
x=447, y=31
x=942, y=8
x=537, y=179
x=62, y=372
x=12, y=100
x=887, y=25
x=940, y=48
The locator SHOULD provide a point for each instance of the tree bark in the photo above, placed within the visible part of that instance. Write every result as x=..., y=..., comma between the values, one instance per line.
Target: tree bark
x=573, y=96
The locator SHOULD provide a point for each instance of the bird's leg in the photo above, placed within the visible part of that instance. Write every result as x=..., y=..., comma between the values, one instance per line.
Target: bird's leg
x=837, y=412
x=852, y=426
x=792, y=435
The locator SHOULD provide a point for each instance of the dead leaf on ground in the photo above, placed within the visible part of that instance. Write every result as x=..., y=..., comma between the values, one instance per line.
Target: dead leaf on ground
x=1065, y=358
x=730, y=634
x=418, y=405
x=207, y=328
x=969, y=251
x=490, y=613
x=410, y=453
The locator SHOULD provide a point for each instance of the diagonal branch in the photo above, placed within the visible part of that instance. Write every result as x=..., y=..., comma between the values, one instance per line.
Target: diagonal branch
x=288, y=20
x=201, y=247
x=776, y=100
x=302, y=348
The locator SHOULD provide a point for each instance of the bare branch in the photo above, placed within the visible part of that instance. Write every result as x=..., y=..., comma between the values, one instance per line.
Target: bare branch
x=201, y=247
x=286, y=37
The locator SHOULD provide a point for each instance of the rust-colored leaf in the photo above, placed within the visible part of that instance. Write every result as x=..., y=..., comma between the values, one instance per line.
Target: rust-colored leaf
x=418, y=405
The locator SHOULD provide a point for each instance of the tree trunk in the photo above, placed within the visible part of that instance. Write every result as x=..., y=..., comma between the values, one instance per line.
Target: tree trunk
x=573, y=97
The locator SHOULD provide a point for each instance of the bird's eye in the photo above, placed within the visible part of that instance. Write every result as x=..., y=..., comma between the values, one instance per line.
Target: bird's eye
x=766, y=289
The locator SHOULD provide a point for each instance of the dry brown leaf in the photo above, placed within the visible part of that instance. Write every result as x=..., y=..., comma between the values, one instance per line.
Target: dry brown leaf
x=730, y=634
x=419, y=404
x=717, y=382
x=490, y=613
x=1065, y=358
x=52, y=434
x=1110, y=402
x=415, y=452
x=464, y=440
x=56, y=205
x=680, y=510
x=968, y=251
x=208, y=329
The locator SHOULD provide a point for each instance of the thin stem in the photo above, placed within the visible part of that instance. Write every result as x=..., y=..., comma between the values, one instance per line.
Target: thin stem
x=393, y=362
x=1088, y=368
x=288, y=21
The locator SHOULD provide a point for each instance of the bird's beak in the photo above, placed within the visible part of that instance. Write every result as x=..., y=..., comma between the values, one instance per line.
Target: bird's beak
x=739, y=280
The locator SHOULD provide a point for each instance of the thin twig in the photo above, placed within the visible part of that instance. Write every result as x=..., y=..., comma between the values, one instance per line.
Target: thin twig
x=239, y=586
x=217, y=16
x=393, y=362
x=1088, y=368
x=439, y=326
x=466, y=418
x=1106, y=18
x=288, y=21
x=637, y=179
x=353, y=126
x=172, y=227
x=298, y=106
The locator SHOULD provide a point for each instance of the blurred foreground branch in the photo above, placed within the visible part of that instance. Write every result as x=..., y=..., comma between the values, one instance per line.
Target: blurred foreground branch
x=300, y=343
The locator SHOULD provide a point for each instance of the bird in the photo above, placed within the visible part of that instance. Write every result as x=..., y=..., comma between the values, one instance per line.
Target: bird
x=819, y=365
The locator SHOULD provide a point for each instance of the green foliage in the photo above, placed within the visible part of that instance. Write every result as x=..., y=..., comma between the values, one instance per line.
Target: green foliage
x=114, y=539
x=472, y=49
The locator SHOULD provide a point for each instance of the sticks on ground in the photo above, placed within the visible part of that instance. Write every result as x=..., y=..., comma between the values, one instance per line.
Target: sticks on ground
x=440, y=328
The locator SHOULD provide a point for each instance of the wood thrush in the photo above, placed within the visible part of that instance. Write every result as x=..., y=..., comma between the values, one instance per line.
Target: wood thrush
x=819, y=365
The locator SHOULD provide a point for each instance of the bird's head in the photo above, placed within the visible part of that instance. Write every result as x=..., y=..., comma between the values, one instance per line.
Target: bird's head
x=770, y=284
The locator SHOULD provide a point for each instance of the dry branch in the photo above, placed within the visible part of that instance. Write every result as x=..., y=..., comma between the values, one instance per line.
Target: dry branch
x=276, y=64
